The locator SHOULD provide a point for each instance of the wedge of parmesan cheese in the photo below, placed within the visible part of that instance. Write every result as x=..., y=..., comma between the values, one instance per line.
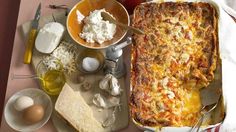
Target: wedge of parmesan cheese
x=73, y=108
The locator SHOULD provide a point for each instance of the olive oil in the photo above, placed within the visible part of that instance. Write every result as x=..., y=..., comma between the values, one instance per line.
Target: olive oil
x=53, y=81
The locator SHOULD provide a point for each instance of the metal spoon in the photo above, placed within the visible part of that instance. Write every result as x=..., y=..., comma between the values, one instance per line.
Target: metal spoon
x=210, y=97
x=109, y=18
x=204, y=113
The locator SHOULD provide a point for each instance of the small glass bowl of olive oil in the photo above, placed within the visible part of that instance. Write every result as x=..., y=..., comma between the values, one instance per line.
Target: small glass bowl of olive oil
x=51, y=80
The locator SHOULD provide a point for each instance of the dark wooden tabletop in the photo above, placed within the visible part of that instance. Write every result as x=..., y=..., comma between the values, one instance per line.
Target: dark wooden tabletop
x=9, y=13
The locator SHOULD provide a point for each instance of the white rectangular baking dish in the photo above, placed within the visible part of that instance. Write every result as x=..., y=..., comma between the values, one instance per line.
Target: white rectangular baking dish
x=216, y=116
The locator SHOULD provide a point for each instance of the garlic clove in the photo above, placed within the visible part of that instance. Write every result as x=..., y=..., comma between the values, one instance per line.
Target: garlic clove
x=115, y=91
x=104, y=83
x=113, y=101
x=99, y=101
x=114, y=86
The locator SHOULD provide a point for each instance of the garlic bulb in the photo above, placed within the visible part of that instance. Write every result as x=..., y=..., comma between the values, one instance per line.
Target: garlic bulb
x=110, y=84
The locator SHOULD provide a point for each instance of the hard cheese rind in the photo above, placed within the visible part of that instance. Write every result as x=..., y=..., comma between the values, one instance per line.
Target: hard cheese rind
x=72, y=107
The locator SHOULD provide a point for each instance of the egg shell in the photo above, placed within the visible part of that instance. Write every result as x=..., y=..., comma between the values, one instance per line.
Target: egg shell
x=33, y=114
x=23, y=102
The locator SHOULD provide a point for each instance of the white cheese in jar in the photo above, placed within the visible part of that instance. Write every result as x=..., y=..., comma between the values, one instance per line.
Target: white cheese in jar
x=96, y=29
x=90, y=64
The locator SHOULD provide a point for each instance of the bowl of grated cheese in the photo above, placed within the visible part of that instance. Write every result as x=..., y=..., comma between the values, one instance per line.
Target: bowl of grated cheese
x=86, y=26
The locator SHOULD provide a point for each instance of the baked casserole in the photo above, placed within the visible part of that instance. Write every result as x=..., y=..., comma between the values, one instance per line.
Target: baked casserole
x=175, y=58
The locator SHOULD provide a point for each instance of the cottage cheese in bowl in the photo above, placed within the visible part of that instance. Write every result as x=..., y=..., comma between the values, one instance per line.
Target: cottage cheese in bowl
x=87, y=28
x=96, y=29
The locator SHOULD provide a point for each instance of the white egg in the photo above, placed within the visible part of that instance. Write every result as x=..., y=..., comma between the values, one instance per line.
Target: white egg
x=23, y=102
x=90, y=64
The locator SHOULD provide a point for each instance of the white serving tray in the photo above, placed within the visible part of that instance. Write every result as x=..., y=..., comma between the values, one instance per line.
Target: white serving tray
x=216, y=115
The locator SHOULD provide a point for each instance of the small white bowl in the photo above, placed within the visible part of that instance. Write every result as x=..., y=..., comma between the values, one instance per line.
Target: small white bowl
x=14, y=118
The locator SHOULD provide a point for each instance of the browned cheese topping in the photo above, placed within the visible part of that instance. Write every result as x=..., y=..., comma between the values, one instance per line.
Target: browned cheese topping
x=172, y=61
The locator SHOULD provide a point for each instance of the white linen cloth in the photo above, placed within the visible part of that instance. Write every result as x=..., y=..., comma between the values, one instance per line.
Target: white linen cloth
x=228, y=54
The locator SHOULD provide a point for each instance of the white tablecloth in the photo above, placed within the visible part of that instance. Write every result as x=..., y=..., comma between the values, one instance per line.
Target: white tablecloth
x=228, y=55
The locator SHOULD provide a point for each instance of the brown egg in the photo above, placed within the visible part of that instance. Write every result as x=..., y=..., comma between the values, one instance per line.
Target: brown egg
x=33, y=114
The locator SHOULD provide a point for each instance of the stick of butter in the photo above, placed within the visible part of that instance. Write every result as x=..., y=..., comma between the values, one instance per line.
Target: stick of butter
x=49, y=37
